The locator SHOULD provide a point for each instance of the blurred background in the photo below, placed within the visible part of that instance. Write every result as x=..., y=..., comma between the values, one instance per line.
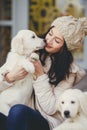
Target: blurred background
x=37, y=15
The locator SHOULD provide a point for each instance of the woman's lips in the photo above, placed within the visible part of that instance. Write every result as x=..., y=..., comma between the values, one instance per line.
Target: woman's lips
x=48, y=46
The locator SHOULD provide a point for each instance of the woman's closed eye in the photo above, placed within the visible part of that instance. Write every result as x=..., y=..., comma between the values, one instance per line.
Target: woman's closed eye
x=57, y=41
x=50, y=33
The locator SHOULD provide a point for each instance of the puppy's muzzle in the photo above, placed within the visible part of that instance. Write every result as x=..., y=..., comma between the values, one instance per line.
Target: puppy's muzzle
x=67, y=114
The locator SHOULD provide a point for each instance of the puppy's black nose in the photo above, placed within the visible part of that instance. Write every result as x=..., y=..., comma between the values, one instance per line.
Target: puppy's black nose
x=66, y=114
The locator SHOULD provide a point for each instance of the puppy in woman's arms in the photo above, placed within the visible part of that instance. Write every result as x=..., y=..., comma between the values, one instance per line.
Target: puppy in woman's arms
x=72, y=105
x=23, y=47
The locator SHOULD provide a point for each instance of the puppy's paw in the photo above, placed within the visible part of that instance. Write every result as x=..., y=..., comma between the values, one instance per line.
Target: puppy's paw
x=34, y=57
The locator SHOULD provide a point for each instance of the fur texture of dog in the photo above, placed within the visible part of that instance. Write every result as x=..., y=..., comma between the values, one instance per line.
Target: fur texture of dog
x=23, y=46
x=72, y=105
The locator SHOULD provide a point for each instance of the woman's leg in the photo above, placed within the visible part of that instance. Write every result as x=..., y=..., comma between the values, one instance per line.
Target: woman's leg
x=22, y=117
x=3, y=120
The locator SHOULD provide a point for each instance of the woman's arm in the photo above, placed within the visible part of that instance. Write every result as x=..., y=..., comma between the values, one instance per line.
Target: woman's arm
x=44, y=94
x=9, y=78
x=16, y=74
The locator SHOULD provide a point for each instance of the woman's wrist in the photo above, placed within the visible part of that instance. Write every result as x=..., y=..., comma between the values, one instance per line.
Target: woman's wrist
x=38, y=75
x=9, y=78
x=35, y=76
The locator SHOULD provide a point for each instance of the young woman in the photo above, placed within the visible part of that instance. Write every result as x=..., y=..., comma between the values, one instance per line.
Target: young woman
x=54, y=73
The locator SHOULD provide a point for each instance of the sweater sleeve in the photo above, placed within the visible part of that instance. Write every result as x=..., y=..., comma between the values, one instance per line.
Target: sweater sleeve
x=4, y=84
x=46, y=95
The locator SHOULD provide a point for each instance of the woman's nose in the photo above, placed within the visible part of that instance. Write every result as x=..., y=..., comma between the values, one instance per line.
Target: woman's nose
x=49, y=40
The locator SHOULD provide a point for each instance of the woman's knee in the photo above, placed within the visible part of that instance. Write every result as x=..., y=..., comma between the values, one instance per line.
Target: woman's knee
x=17, y=117
x=17, y=110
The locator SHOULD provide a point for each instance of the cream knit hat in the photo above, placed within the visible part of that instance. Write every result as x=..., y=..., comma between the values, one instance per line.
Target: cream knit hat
x=72, y=29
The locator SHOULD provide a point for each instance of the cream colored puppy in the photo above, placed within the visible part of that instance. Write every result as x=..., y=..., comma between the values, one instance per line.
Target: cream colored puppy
x=72, y=105
x=23, y=46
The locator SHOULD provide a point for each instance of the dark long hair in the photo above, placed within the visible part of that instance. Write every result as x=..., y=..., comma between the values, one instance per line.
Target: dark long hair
x=60, y=63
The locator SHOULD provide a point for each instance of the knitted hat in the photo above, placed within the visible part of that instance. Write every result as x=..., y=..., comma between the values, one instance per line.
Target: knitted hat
x=72, y=29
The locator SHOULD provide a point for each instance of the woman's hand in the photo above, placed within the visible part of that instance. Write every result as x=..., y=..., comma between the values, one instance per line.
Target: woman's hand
x=17, y=73
x=38, y=68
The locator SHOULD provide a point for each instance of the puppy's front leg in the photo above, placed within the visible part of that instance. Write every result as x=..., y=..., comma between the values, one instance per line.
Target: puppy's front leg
x=27, y=65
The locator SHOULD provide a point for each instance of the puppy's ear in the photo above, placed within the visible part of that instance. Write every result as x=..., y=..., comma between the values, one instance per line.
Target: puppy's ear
x=83, y=102
x=58, y=106
x=17, y=45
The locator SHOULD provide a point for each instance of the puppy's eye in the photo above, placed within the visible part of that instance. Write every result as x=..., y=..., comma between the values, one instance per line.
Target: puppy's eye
x=62, y=102
x=72, y=102
x=33, y=36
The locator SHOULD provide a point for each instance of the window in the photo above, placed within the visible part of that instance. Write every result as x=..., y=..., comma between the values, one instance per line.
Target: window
x=5, y=28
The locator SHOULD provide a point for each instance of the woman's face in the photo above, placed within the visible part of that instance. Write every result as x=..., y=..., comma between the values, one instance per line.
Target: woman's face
x=54, y=41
